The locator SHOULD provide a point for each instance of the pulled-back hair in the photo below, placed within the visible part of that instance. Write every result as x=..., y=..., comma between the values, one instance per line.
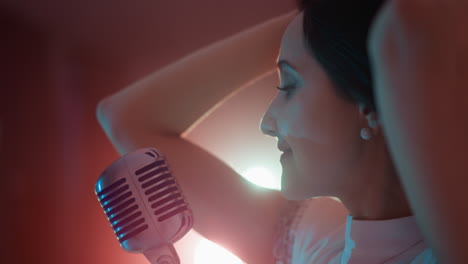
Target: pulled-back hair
x=335, y=33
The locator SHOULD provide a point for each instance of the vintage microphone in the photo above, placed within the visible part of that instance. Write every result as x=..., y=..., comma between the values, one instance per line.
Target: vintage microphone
x=144, y=205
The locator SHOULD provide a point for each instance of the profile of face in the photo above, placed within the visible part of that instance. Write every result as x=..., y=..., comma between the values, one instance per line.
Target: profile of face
x=321, y=129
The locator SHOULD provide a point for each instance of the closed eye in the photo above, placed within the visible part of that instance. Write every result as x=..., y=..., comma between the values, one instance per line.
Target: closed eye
x=286, y=89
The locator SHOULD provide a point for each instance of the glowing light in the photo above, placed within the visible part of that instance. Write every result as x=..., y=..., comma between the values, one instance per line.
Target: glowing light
x=262, y=177
x=208, y=252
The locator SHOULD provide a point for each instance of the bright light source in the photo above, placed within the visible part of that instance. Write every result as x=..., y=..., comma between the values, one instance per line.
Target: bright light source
x=208, y=252
x=262, y=177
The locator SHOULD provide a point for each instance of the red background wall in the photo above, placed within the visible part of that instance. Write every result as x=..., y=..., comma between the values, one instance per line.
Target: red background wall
x=58, y=59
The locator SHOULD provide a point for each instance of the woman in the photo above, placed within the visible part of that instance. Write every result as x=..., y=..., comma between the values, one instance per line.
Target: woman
x=326, y=120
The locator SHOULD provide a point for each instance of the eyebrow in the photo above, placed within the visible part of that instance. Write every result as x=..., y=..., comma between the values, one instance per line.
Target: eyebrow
x=282, y=63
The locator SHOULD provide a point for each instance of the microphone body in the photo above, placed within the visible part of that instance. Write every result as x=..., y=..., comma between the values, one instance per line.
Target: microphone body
x=144, y=205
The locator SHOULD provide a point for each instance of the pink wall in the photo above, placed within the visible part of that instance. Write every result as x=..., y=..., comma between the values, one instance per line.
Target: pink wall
x=58, y=59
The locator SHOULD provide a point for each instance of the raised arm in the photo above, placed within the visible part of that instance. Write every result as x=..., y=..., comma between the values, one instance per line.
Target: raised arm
x=419, y=52
x=156, y=112
x=174, y=98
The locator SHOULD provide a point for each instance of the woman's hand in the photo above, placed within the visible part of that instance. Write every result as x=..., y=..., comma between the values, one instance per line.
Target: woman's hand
x=419, y=55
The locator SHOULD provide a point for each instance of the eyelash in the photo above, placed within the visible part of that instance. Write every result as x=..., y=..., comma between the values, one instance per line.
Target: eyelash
x=287, y=89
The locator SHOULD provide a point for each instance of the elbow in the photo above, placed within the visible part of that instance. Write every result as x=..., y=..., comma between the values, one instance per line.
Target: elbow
x=102, y=117
x=100, y=111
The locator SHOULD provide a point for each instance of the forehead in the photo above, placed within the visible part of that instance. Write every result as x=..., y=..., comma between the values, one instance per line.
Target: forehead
x=292, y=46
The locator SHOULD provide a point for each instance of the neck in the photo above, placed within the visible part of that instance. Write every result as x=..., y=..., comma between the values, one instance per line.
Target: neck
x=379, y=195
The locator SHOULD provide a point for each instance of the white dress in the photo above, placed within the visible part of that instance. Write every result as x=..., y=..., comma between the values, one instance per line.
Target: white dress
x=321, y=231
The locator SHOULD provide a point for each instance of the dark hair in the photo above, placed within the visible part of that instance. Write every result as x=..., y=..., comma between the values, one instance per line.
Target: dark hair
x=335, y=32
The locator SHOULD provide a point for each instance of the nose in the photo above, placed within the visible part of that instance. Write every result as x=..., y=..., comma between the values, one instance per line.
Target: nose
x=268, y=124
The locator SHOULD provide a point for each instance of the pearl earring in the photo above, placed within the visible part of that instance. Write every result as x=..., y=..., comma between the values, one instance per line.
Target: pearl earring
x=366, y=133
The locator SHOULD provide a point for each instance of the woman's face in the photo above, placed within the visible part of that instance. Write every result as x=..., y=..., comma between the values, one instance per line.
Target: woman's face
x=322, y=129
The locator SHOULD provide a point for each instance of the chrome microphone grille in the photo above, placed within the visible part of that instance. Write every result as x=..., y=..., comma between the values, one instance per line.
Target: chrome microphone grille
x=160, y=189
x=121, y=210
x=144, y=204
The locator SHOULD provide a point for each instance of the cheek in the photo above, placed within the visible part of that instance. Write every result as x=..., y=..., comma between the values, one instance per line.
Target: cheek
x=306, y=122
x=324, y=146
x=296, y=126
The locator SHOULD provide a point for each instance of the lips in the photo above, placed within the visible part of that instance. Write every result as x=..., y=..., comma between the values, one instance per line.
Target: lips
x=283, y=147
